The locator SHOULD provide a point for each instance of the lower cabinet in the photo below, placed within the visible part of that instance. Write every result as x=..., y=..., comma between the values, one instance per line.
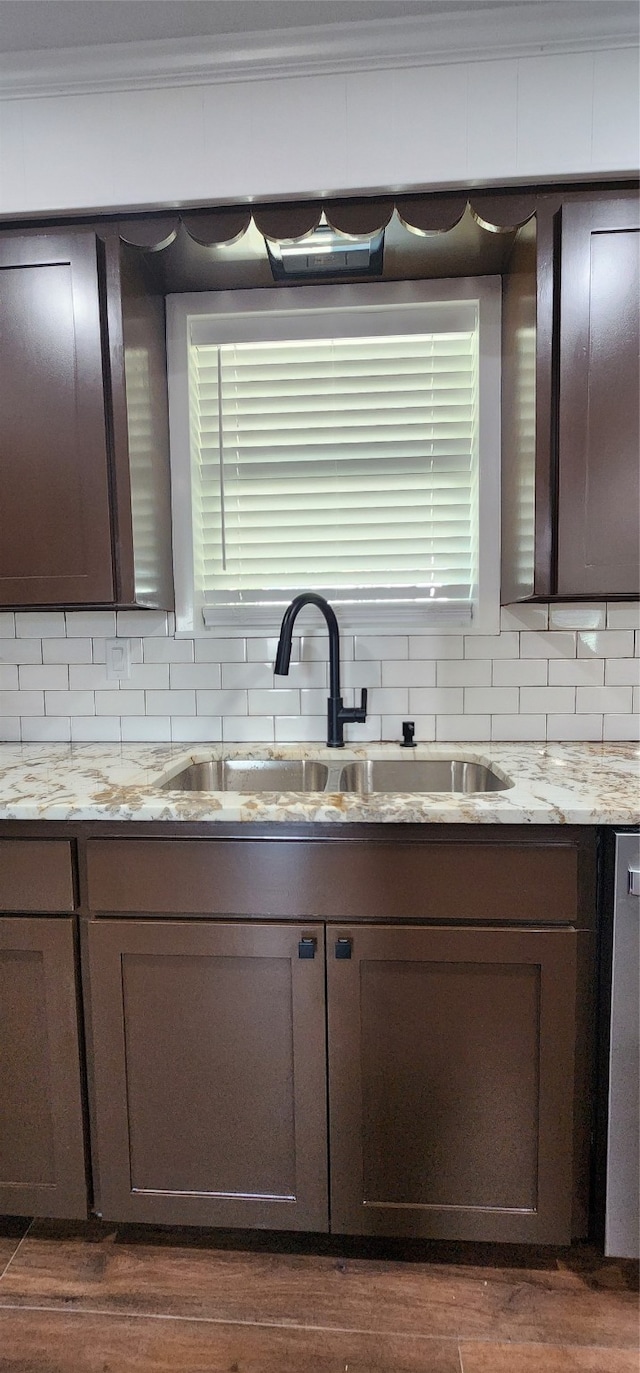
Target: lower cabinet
x=451, y=1070
x=209, y=1073
x=42, y=1158
x=450, y=1077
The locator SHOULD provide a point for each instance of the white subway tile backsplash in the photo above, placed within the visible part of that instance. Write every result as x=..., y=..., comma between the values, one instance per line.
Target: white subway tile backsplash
x=21, y=703
x=625, y=615
x=551, y=645
x=205, y=676
x=221, y=703
x=610, y=643
x=88, y=677
x=63, y=651
x=45, y=728
x=622, y=727
x=583, y=616
x=140, y=728
x=147, y=677
x=168, y=650
x=249, y=729
x=22, y=651
x=292, y=729
x=367, y=674
x=622, y=672
x=383, y=647
x=8, y=677
x=221, y=650
x=520, y=672
x=576, y=671
x=612, y=700
x=143, y=622
x=39, y=624
x=410, y=672
x=436, y=700
x=564, y=728
x=170, y=702
x=95, y=729
x=277, y=702
x=38, y=676
x=387, y=701
x=547, y=700
x=437, y=646
x=205, y=729
x=69, y=703
x=9, y=729
x=116, y=703
x=90, y=624
x=460, y=728
x=525, y=683
x=506, y=728
x=244, y=675
x=492, y=645
x=465, y=672
x=490, y=700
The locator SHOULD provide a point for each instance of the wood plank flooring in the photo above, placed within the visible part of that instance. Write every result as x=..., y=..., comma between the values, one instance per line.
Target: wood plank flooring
x=93, y=1298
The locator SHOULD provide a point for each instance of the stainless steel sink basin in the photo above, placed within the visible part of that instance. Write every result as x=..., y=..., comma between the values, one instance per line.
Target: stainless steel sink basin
x=418, y=775
x=251, y=774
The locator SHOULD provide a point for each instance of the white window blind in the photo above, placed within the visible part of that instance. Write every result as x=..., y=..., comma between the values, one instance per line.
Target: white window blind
x=343, y=464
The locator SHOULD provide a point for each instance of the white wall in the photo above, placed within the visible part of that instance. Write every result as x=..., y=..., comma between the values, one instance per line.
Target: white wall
x=552, y=115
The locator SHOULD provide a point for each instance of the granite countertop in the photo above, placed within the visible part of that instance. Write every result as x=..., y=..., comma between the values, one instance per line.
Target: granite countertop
x=577, y=783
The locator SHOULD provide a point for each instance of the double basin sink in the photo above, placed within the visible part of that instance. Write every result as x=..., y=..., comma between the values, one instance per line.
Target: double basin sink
x=360, y=777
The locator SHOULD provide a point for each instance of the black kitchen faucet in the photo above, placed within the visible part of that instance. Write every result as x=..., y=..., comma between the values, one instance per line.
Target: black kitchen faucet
x=338, y=715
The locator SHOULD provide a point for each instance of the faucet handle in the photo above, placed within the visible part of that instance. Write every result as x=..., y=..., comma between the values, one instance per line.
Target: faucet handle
x=355, y=715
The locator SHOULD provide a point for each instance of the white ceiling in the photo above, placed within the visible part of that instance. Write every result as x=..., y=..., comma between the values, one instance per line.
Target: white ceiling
x=36, y=25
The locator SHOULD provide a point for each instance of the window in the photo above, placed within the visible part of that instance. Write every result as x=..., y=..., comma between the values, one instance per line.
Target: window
x=341, y=439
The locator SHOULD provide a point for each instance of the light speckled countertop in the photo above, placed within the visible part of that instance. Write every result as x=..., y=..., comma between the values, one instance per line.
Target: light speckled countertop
x=579, y=784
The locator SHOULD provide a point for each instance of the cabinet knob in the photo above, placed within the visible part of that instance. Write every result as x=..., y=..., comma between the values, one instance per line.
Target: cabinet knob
x=343, y=948
x=307, y=946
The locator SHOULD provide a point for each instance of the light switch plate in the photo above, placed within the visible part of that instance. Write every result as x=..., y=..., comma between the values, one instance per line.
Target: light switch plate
x=118, y=659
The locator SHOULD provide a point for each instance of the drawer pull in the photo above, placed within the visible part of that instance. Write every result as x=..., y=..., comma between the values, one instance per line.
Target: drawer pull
x=307, y=947
x=343, y=948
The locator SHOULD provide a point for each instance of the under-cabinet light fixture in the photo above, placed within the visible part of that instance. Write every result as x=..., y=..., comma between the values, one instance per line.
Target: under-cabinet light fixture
x=325, y=253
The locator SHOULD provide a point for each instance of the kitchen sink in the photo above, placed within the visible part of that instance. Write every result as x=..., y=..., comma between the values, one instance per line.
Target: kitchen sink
x=452, y=775
x=366, y=776
x=251, y=774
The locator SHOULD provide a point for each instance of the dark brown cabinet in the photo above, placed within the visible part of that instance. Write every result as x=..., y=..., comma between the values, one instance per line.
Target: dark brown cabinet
x=209, y=1068
x=456, y=1063
x=42, y=1158
x=450, y=1055
x=84, y=508
x=571, y=404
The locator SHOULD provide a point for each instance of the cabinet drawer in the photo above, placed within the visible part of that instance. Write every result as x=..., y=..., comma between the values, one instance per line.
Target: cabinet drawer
x=36, y=875
x=343, y=879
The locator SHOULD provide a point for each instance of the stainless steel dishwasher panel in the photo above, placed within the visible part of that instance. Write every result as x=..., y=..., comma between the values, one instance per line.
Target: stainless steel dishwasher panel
x=622, y=1217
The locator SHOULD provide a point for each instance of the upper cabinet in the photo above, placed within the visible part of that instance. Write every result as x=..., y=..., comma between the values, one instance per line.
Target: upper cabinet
x=571, y=472
x=599, y=399
x=84, y=507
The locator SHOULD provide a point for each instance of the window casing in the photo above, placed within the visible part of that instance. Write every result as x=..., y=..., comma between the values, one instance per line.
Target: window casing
x=341, y=439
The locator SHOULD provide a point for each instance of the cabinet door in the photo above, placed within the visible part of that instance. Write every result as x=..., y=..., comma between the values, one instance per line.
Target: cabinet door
x=210, y=1086
x=451, y=1066
x=42, y=1162
x=599, y=402
x=55, y=527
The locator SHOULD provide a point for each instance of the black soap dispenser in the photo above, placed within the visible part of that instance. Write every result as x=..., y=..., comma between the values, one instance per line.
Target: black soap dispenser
x=408, y=731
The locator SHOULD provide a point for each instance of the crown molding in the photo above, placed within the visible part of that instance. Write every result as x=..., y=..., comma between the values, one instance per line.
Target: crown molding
x=524, y=30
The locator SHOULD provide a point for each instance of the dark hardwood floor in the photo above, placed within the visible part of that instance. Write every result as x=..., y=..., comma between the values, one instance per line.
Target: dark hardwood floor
x=94, y=1298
